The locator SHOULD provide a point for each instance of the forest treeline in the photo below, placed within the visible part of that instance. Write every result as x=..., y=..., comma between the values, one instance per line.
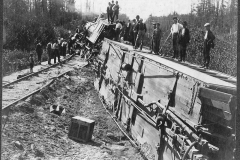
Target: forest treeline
x=29, y=21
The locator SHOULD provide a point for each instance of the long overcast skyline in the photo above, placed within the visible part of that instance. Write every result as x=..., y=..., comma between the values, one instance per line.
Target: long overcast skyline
x=142, y=7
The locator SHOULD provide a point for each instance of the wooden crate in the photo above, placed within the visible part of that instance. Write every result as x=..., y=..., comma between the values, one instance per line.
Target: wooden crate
x=81, y=129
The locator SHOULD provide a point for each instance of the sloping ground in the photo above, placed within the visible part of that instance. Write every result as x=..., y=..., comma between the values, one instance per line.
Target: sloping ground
x=32, y=132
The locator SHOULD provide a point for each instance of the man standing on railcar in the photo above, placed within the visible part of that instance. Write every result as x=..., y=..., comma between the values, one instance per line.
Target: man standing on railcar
x=109, y=12
x=141, y=30
x=154, y=27
x=184, y=38
x=133, y=33
x=115, y=9
x=174, y=31
x=208, y=44
x=157, y=34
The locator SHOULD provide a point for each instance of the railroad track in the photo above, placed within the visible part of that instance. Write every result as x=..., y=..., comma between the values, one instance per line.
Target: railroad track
x=20, y=89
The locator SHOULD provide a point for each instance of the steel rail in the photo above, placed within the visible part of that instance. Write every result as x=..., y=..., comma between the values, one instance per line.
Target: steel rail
x=35, y=73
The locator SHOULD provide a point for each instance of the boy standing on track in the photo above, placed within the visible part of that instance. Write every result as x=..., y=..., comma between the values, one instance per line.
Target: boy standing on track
x=208, y=44
x=184, y=38
x=31, y=62
x=175, y=30
x=49, y=52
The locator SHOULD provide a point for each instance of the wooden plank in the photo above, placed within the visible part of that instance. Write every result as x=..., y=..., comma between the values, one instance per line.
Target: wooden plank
x=157, y=82
x=188, y=71
x=214, y=95
x=229, y=90
x=114, y=63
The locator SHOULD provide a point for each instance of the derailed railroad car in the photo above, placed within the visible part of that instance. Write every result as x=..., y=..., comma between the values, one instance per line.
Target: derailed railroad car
x=173, y=111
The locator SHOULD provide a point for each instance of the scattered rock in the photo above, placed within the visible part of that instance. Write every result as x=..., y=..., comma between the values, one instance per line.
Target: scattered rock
x=58, y=110
x=18, y=145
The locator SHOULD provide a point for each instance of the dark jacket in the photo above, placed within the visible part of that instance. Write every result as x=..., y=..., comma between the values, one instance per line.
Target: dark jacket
x=141, y=27
x=157, y=34
x=39, y=48
x=109, y=9
x=184, y=39
x=209, y=41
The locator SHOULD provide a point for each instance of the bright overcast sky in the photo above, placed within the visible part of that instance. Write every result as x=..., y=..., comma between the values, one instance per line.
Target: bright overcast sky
x=140, y=7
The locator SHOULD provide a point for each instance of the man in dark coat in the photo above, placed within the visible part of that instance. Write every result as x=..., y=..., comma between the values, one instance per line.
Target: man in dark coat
x=127, y=31
x=208, y=44
x=154, y=27
x=110, y=13
x=133, y=32
x=157, y=34
x=39, y=51
x=141, y=30
x=183, y=40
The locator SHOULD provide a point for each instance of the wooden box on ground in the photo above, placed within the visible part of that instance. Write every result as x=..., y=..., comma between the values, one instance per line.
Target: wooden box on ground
x=81, y=129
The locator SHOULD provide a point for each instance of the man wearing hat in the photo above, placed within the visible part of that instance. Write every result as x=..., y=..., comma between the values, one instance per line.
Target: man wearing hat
x=184, y=38
x=208, y=44
x=135, y=31
x=154, y=27
x=174, y=31
x=39, y=51
x=157, y=34
x=132, y=33
x=115, y=9
x=49, y=51
x=141, y=30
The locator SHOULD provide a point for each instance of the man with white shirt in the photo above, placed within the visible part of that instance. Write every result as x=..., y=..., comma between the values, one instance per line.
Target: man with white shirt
x=208, y=44
x=174, y=31
x=118, y=30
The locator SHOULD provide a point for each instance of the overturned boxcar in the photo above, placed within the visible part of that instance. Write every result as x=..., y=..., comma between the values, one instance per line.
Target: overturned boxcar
x=172, y=111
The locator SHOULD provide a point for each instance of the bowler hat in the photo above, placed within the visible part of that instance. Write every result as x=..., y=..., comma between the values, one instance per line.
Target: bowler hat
x=207, y=24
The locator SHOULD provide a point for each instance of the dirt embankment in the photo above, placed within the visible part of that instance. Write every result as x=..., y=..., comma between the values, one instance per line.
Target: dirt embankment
x=32, y=132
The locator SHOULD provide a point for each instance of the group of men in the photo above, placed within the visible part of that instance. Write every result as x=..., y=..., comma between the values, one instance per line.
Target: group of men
x=132, y=31
x=181, y=38
x=54, y=49
x=135, y=31
x=112, y=11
